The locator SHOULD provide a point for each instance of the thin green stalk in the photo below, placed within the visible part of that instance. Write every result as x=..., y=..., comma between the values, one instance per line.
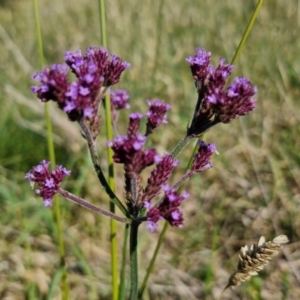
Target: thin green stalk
x=95, y=160
x=123, y=266
x=134, y=260
x=51, y=153
x=153, y=259
x=247, y=31
x=182, y=144
x=159, y=31
x=111, y=181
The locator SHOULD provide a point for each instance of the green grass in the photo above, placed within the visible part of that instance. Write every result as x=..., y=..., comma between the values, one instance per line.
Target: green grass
x=252, y=190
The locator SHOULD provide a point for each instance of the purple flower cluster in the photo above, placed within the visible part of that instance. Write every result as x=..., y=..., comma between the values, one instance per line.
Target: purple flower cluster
x=128, y=150
x=95, y=72
x=167, y=209
x=200, y=64
x=160, y=175
x=49, y=182
x=224, y=103
x=119, y=99
x=156, y=114
x=201, y=159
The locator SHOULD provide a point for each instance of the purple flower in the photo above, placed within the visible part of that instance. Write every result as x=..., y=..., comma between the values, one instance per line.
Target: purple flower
x=119, y=99
x=234, y=102
x=128, y=151
x=134, y=123
x=159, y=175
x=53, y=83
x=49, y=182
x=216, y=103
x=95, y=71
x=153, y=216
x=201, y=160
x=168, y=209
x=200, y=64
x=156, y=114
x=114, y=69
x=218, y=76
x=74, y=60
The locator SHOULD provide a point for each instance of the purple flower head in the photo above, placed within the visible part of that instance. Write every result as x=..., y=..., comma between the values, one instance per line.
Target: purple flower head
x=114, y=69
x=49, y=182
x=167, y=209
x=156, y=114
x=74, y=60
x=80, y=99
x=53, y=83
x=143, y=160
x=201, y=160
x=153, y=216
x=216, y=103
x=235, y=101
x=119, y=99
x=93, y=62
x=134, y=123
x=159, y=176
x=200, y=64
x=78, y=102
x=218, y=76
x=128, y=151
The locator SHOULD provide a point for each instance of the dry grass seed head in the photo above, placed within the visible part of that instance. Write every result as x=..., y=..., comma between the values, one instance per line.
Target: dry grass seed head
x=254, y=259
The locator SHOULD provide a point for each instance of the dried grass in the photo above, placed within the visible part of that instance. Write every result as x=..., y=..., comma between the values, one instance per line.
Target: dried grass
x=254, y=259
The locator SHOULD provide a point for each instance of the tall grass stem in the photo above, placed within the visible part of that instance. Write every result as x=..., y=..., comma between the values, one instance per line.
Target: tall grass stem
x=111, y=181
x=247, y=32
x=51, y=153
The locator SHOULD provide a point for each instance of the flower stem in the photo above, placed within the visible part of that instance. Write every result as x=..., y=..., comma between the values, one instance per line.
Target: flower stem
x=180, y=146
x=183, y=143
x=153, y=259
x=91, y=206
x=51, y=153
x=95, y=160
x=134, y=259
x=123, y=266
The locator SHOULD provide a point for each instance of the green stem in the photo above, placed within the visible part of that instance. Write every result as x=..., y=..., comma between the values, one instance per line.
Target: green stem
x=134, y=259
x=111, y=181
x=123, y=266
x=247, y=31
x=180, y=146
x=184, y=142
x=95, y=160
x=51, y=153
x=159, y=31
x=153, y=259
